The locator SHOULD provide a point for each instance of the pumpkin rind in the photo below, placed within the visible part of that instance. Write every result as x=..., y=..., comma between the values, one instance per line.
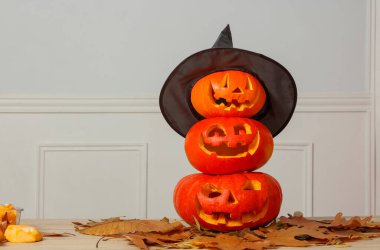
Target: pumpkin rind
x=224, y=145
x=228, y=202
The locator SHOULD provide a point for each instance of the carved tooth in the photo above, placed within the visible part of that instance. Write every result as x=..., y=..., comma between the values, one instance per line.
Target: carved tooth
x=222, y=218
x=234, y=223
x=209, y=218
x=242, y=107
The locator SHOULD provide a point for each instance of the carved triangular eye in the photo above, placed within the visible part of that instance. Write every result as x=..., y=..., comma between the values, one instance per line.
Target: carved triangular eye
x=248, y=84
x=211, y=191
x=216, y=131
x=225, y=81
x=252, y=185
x=214, y=194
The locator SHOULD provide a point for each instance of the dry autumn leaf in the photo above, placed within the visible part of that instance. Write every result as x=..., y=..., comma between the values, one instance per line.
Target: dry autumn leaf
x=355, y=222
x=142, y=240
x=301, y=221
x=44, y=234
x=138, y=241
x=298, y=237
x=228, y=242
x=129, y=226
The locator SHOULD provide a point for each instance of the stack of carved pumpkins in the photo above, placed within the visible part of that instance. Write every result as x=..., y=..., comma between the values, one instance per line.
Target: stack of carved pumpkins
x=228, y=103
x=225, y=147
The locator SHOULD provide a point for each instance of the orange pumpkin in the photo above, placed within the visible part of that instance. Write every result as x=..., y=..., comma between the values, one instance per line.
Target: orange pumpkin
x=228, y=93
x=228, y=202
x=22, y=234
x=224, y=145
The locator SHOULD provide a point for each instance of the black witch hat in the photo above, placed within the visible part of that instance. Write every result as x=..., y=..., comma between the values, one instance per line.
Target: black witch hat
x=278, y=83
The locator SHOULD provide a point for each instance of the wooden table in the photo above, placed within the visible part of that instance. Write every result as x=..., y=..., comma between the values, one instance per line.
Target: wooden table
x=85, y=242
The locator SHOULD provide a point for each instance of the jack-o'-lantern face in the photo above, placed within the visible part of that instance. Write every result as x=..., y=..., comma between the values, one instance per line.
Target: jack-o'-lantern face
x=224, y=145
x=218, y=206
x=233, y=141
x=228, y=93
x=228, y=202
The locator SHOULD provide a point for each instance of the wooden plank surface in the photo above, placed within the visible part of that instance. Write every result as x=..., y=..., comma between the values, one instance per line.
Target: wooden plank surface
x=85, y=242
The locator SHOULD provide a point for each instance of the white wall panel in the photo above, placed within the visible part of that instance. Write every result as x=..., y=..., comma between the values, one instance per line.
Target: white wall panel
x=75, y=178
x=292, y=165
x=342, y=166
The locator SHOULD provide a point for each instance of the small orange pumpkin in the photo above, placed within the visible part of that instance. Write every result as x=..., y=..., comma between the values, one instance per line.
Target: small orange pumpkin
x=228, y=93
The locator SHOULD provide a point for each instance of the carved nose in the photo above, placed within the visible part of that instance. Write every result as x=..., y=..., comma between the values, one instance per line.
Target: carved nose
x=237, y=91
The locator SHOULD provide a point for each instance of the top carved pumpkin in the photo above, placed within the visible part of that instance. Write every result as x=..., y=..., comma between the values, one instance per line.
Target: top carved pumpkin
x=228, y=93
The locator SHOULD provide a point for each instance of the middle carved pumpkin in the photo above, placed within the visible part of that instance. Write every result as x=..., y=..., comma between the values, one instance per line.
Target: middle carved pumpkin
x=224, y=145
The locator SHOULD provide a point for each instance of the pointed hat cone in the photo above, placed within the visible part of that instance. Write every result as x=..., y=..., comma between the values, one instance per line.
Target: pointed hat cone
x=224, y=40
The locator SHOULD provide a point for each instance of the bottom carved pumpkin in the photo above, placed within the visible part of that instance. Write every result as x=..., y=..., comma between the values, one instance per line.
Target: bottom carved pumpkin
x=228, y=202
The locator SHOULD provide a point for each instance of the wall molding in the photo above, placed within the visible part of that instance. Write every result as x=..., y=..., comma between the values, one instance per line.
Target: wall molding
x=307, y=150
x=328, y=103
x=44, y=149
x=79, y=105
x=320, y=103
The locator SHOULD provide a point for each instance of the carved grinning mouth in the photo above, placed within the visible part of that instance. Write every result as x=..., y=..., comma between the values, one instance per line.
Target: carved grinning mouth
x=223, y=203
x=222, y=218
x=242, y=142
x=238, y=99
x=232, y=104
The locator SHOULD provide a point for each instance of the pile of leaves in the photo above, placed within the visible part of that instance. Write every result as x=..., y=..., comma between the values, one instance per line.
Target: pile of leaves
x=294, y=230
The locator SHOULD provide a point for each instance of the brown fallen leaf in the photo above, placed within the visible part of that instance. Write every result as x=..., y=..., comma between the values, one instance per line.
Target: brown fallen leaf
x=251, y=237
x=297, y=237
x=91, y=223
x=301, y=221
x=341, y=222
x=44, y=234
x=352, y=235
x=129, y=226
x=228, y=242
x=138, y=241
x=144, y=240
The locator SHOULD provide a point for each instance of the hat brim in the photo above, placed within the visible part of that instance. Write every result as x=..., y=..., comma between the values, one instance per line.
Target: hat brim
x=278, y=82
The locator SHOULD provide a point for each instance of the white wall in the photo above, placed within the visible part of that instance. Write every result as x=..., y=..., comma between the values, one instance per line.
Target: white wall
x=82, y=135
x=127, y=48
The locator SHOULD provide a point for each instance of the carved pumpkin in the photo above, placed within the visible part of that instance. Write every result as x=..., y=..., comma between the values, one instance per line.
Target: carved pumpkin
x=228, y=202
x=228, y=93
x=223, y=145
